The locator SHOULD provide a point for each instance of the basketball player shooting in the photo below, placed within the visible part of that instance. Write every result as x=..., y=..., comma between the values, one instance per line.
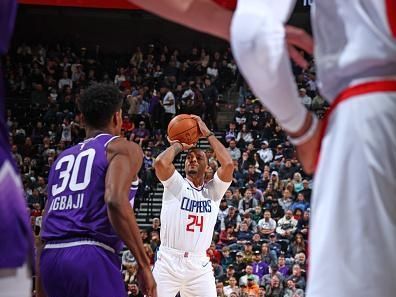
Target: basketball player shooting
x=88, y=211
x=188, y=216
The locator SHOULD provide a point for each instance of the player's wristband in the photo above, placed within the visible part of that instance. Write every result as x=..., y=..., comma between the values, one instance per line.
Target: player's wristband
x=210, y=134
x=181, y=146
x=307, y=135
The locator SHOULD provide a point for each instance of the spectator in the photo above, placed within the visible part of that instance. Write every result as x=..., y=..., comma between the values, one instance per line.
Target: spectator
x=130, y=274
x=267, y=254
x=217, y=269
x=274, y=288
x=233, y=150
x=134, y=291
x=213, y=254
x=291, y=290
x=286, y=201
x=297, y=277
x=276, y=211
x=244, y=136
x=283, y=269
x=306, y=191
x=257, y=214
x=155, y=226
x=274, y=246
x=65, y=81
x=244, y=235
x=297, y=245
x=230, y=198
x=286, y=226
x=227, y=237
x=297, y=182
x=140, y=134
x=288, y=170
x=220, y=289
x=169, y=104
x=239, y=265
x=231, y=288
x=231, y=133
x=232, y=218
x=210, y=94
x=252, y=225
x=266, y=225
x=229, y=273
x=226, y=259
x=248, y=203
x=300, y=203
x=265, y=152
x=241, y=117
x=260, y=267
x=303, y=224
x=249, y=274
x=252, y=288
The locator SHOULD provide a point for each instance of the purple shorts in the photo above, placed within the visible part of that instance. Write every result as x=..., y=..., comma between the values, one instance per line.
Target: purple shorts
x=85, y=270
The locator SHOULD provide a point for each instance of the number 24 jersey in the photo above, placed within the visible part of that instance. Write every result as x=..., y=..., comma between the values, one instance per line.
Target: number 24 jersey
x=189, y=214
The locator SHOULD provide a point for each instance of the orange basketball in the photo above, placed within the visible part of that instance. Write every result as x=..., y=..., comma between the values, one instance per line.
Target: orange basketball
x=184, y=129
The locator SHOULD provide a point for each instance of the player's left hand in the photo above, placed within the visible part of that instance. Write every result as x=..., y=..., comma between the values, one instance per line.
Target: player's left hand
x=297, y=37
x=185, y=146
x=146, y=282
x=202, y=126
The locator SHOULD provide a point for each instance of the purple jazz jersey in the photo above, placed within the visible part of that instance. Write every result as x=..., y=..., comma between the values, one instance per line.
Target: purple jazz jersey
x=17, y=240
x=76, y=186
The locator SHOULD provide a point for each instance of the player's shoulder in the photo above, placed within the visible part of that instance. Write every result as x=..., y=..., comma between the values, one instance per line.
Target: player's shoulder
x=69, y=151
x=124, y=147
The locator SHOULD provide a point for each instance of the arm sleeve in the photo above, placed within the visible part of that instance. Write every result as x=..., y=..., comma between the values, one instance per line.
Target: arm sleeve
x=259, y=47
x=217, y=188
x=173, y=186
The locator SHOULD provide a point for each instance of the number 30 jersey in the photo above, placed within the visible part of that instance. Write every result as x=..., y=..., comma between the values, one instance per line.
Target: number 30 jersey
x=76, y=188
x=189, y=214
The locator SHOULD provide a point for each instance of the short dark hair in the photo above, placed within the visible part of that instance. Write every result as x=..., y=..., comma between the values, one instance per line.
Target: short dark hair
x=98, y=104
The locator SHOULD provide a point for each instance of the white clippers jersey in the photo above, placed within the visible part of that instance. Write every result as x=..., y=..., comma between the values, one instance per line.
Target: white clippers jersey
x=188, y=214
x=360, y=44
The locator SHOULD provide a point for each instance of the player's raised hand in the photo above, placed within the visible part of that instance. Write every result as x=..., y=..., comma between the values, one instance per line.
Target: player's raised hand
x=202, y=126
x=146, y=282
x=297, y=37
x=184, y=146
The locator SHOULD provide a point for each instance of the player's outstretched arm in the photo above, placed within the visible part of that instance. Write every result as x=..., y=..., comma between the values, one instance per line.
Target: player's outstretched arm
x=125, y=159
x=226, y=168
x=201, y=15
x=163, y=164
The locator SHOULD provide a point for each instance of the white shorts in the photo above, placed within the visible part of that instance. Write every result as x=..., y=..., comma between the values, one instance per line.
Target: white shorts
x=353, y=222
x=15, y=282
x=191, y=275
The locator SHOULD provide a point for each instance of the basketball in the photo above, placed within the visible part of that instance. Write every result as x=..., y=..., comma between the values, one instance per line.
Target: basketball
x=184, y=129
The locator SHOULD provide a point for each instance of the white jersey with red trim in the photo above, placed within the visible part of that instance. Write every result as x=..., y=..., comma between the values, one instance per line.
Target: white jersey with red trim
x=361, y=44
x=189, y=214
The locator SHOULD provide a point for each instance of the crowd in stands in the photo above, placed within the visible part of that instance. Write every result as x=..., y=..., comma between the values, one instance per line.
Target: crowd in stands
x=260, y=241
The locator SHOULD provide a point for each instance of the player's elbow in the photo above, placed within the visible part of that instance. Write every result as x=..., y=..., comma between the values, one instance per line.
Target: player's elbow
x=159, y=164
x=112, y=200
x=228, y=166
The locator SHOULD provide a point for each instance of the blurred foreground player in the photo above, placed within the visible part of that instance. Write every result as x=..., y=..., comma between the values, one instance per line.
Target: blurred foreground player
x=353, y=232
x=188, y=216
x=16, y=248
x=88, y=211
